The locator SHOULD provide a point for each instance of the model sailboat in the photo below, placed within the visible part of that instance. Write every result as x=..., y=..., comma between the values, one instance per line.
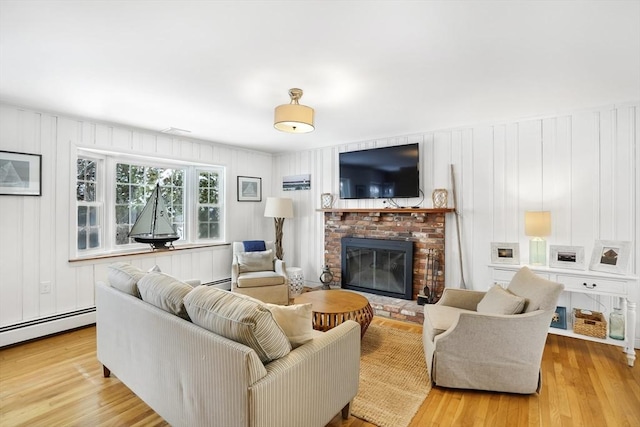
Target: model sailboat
x=153, y=225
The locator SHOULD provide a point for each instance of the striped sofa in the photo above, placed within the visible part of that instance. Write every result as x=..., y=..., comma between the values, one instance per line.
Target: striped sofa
x=193, y=377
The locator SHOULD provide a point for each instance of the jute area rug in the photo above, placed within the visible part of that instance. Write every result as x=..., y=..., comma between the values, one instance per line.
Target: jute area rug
x=393, y=377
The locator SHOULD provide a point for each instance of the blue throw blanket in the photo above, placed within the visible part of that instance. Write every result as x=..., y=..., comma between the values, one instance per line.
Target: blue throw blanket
x=254, y=245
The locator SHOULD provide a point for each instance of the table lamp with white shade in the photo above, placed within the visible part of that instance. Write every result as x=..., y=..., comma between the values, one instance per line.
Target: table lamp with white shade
x=537, y=225
x=279, y=208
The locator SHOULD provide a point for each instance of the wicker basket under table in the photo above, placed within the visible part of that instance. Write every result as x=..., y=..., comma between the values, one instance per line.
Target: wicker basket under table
x=589, y=323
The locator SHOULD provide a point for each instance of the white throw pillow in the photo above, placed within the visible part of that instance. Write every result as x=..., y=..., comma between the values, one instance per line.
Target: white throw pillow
x=240, y=318
x=255, y=261
x=125, y=277
x=295, y=320
x=500, y=301
x=165, y=292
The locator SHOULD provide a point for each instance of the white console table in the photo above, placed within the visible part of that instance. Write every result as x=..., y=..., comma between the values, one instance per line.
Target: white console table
x=590, y=283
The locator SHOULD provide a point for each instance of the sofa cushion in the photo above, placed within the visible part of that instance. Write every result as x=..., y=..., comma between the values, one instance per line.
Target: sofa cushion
x=260, y=278
x=295, y=320
x=439, y=318
x=500, y=301
x=240, y=318
x=539, y=293
x=255, y=261
x=165, y=292
x=124, y=277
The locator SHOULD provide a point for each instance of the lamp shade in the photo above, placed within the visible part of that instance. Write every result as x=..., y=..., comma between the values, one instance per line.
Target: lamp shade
x=537, y=224
x=278, y=207
x=293, y=117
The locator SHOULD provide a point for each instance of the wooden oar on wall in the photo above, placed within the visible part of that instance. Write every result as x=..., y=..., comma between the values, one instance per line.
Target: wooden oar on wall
x=463, y=285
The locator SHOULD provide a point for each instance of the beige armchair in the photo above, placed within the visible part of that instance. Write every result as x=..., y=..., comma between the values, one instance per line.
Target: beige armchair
x=472, y=341
x=259, y=274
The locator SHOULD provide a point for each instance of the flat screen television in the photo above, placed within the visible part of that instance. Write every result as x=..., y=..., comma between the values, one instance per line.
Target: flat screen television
x=380, y=173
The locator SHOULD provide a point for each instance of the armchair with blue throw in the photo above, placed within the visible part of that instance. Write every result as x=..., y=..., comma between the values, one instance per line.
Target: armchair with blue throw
x=257, y=272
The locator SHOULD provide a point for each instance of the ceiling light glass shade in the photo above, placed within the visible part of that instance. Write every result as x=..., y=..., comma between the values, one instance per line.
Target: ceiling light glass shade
x=293, y=117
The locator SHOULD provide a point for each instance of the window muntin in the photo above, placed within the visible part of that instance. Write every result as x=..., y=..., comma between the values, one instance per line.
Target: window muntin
x=209, y=207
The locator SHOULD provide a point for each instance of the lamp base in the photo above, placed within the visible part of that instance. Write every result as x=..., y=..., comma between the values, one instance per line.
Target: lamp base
x=537, y=251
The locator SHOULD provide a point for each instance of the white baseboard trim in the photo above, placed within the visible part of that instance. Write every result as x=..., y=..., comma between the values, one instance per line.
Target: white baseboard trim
x=39, y=330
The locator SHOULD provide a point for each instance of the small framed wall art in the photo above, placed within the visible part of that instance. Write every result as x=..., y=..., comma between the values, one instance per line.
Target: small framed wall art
x=610, y=256
x=566, y=257
x=505, y=253
x=20, y=174
x=249, y=189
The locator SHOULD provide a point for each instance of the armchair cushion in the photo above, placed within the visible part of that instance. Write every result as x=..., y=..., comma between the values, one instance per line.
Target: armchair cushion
x=256, y=279
x=500, y=301
x=255, y=261
x=165, y=292
x=240, y=318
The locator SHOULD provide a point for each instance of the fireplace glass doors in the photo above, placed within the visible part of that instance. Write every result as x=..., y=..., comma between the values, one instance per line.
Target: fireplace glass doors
x=382, y=267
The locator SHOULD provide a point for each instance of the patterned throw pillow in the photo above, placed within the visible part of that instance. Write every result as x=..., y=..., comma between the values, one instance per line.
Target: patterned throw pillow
x=240, y=318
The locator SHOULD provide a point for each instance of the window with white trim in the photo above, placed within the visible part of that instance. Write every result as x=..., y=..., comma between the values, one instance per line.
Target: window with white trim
x=112, y=189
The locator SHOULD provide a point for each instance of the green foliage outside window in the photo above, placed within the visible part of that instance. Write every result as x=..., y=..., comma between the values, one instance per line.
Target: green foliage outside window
x=88, y=230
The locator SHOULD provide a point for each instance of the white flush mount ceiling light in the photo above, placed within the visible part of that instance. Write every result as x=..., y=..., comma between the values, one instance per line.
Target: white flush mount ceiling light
x=293, y=117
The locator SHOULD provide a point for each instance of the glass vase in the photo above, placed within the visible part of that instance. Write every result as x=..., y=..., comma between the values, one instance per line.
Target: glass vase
x=616, y=324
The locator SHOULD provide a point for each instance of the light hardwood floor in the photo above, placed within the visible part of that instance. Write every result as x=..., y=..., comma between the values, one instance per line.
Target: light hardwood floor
x=57, y=381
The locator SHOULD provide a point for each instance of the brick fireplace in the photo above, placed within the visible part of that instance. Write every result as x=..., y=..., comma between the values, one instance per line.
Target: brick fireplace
x=424, y=227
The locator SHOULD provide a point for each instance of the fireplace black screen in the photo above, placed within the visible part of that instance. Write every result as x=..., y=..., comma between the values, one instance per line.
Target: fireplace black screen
x=382, y=267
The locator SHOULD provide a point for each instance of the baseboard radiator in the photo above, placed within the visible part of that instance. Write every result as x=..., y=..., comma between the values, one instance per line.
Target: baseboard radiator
x=41, y=327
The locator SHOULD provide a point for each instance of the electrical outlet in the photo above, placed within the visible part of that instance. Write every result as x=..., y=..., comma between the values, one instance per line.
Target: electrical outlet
x=45, y=287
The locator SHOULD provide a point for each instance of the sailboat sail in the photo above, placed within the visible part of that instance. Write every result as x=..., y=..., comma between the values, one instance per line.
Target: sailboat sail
x=153, y=225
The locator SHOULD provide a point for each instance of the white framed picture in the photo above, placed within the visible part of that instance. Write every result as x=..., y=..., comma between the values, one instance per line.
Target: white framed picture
x=505, y=253
x=611, y=256
x=566, y=257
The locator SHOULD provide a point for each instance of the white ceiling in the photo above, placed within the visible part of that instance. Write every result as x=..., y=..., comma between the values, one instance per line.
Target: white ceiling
x=370, y=69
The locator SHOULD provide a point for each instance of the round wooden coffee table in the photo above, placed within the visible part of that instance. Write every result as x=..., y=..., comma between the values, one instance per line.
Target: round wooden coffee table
x=332, y=307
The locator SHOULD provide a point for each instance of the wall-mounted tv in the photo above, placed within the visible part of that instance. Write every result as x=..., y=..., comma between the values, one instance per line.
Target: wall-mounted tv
x=380, y=173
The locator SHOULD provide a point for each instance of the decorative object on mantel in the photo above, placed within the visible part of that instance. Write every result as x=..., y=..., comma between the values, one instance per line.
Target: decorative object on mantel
x=20, y=174
x=430, y=291
x=294, y=117
x=537, y=225
x=326, y=200
x=610, y=256
x=153, y=225
x=326, y=277
x=279, y=208
x=439, y=197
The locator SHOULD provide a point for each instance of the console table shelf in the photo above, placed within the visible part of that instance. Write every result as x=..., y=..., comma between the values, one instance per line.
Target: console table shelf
x=593, y=284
